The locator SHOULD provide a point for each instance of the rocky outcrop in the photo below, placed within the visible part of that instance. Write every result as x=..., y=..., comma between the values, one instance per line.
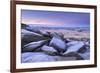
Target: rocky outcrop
x=42, y=46
x=28, y=36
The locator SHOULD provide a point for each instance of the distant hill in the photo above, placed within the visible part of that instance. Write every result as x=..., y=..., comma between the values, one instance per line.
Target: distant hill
x=55, y=27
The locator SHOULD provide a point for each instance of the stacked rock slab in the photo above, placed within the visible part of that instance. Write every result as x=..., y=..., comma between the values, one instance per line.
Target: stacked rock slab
x=33, y=46
x=58, y=44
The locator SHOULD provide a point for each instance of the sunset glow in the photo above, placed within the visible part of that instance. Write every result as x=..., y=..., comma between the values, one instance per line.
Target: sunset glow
x=53, y=18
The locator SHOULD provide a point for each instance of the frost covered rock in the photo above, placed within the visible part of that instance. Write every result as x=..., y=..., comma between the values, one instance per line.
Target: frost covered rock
x=33, y=46
x=32, y=29
x=83, y=49
x=26, y=32
x=58, y=44
x=87, y=44
x=85, y=56
x=58, y=35
x=74, y=54
x=66, y=40
x=64, y=58
x=74, y=48
x=49, y=50
x=37, y=30
x=27, y=37
x=30, y=57
x=45, y=33
x=72, y=43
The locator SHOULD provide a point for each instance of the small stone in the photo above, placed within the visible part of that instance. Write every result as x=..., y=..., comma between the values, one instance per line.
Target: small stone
x=49, y=50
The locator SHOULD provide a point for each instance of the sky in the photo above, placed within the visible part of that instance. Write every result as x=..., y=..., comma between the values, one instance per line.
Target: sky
x=53, y=18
